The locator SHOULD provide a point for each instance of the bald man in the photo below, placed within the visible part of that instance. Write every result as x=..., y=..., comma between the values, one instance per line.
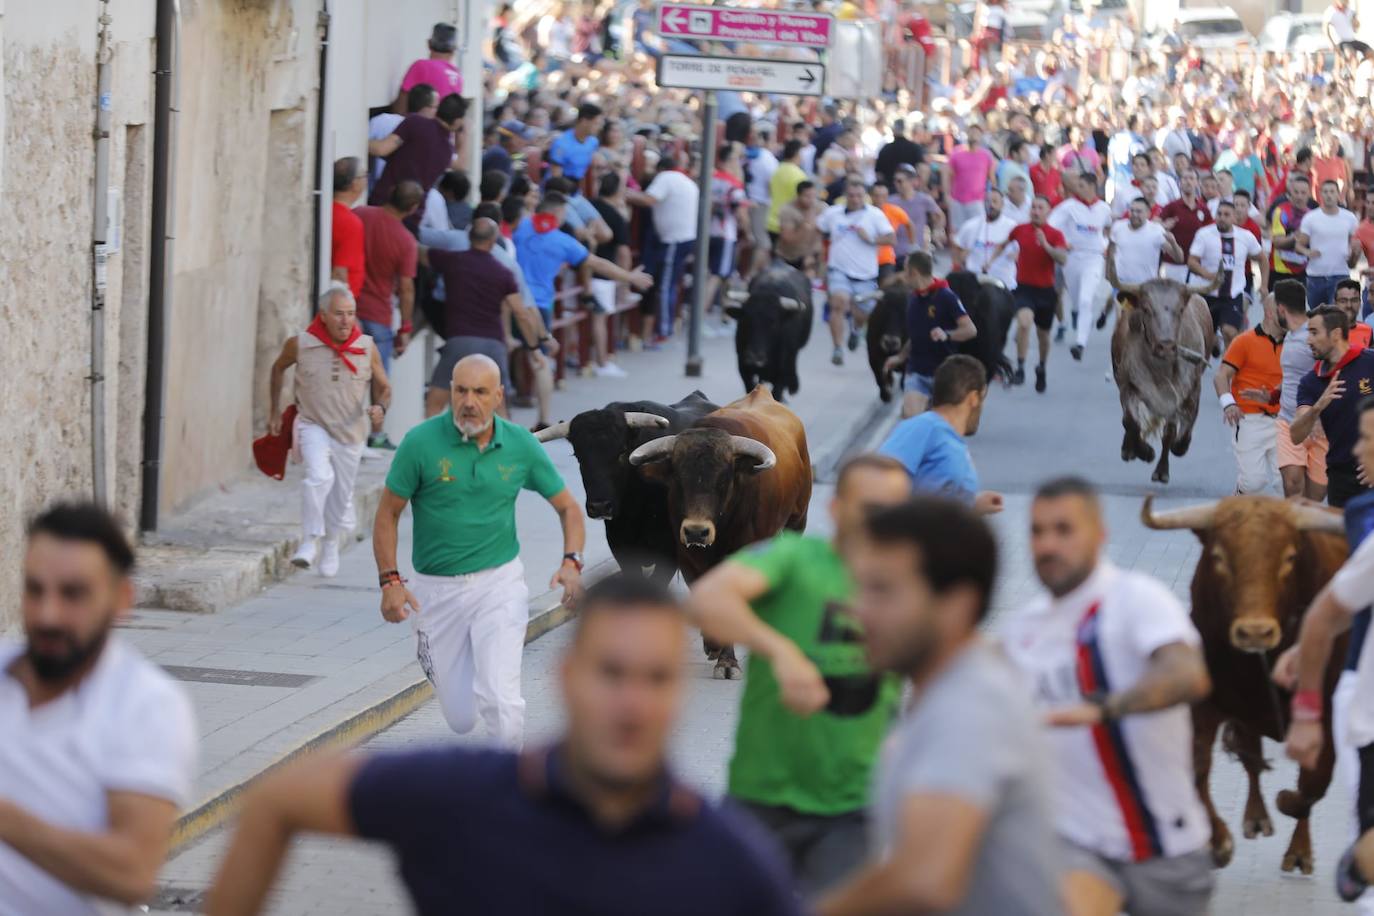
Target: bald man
x=467, y=602
x=483, y=298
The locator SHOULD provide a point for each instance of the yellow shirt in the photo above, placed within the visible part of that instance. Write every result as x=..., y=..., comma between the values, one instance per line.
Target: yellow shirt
x=782, y=190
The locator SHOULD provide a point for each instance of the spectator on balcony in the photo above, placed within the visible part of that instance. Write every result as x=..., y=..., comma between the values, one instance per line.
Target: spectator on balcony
x=420, y=149
x=347, y=256
x=437, y=70
x=572, y=151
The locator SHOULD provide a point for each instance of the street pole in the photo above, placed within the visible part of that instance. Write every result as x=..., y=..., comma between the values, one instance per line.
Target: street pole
x=708, y=168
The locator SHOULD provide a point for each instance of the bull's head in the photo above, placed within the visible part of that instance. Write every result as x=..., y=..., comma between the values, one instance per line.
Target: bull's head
x=1254, y=550
x=764, y=314
x=891, y=318
x=602, y=440
x=702, y=468
x=1157, y=308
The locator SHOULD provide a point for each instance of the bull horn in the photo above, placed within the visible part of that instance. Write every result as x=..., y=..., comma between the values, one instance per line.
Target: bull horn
x=1207, y=288
x=1130, y=289
x=1198, y=518
x=550, y=433
x=636, y=419
x=1309, y=517
x=656, y=450
x=753, y=448
x=789, y=303
x=736, y=295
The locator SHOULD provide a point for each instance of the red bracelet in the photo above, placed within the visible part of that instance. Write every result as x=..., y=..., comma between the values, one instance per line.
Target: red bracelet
x=405, y=328
x=1307, y=706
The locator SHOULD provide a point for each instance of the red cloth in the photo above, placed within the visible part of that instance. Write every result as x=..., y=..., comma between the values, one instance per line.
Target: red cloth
x=318, y=331
x=1360, y=336
x=1324, y=369
x=1034, y=266
x=269, y=451
x=346, y=246
x=544, y=222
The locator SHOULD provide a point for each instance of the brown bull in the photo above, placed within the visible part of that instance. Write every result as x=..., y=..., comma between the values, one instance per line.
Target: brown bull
x=736, y=476
x=1263, y=561
x=1159, y=349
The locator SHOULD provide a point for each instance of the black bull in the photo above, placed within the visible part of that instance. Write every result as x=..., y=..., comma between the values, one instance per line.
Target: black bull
x=634, y=509
x=773, y=324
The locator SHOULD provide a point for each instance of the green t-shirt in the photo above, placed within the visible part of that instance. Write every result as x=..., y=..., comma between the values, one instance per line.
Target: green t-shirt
x=463, y=499
x=820, y=764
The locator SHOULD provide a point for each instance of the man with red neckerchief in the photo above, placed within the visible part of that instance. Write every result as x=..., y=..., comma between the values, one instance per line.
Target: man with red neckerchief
x=1342, y=378
x=337, y=368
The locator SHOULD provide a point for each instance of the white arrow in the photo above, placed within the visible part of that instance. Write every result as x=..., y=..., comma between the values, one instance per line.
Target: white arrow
x=672, y=20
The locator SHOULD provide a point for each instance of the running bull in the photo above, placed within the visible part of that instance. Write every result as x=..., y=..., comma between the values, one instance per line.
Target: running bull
x=1263, y=561
x=989, y=304
x=634, y=509
x=1159, y=348
x=736, y=476
x=773, y=323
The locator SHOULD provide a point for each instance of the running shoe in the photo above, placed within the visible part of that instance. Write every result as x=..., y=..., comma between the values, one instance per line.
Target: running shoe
x=329, y=558
x=305, y=554
x=1076, y=351
x=837, y=357
x=853, y=340
x=610, y=370
x=1059, y=335
x=1019, y=376
x=380, y=440
x=1349, y=885
x=1040, y=379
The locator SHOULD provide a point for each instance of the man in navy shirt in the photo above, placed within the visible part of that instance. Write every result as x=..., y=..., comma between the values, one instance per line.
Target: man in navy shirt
x=593, y=824
x=935, y=321
x=1332, y=392
x=571, y=152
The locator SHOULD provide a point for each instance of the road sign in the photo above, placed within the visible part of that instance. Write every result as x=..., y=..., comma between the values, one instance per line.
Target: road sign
x=717, y=23
x=740, y=74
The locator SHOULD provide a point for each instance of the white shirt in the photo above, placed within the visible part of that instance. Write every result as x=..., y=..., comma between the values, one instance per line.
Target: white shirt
x=760, y=171
x=1207, y=249
x=1329, y=236
x=1084, y=226
x=1017, y=215
x=849, y=254
x=1168, y=188
x=436, y=212
x=1135, y=616
x=1137, y=250
x=1353, y=587
x=1339, y=21
x=675, y=213
x=379, y=128
x=980, y=238
x=127, y=727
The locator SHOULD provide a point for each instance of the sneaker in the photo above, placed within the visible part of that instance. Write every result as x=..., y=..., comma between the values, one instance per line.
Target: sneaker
x=1019, y=376
x=837, y=357
x=329, y=558
x=1059, y=335
x=1102, y=321
x=1040, y=379
x=305, y=554
x=1076, y=351
x=380, y=440
x=610, y=370
x=1349, y=885
x=853, y=340
x=539, y=427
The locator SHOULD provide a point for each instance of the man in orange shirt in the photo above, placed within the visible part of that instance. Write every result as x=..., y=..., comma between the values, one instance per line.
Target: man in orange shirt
x=1248, y=385
x=902, y=227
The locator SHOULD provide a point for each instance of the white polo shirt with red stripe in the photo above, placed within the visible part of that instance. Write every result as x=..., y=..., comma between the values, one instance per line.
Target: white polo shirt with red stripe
x=1123, y=789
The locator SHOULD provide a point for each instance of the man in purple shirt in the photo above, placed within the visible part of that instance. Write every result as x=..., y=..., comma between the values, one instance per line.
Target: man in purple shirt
x=419, y=149
x=477, y=319
x=922, y=209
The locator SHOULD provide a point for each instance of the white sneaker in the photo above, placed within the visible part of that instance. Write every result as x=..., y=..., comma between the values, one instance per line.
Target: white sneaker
x=610, y=370
x=305, y=554
x=329, y=558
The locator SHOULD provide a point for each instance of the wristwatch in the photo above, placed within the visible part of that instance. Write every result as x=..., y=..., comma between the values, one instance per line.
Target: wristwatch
x=576, y=559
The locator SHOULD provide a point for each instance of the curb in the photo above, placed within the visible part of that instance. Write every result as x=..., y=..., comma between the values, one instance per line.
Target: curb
x=547, y=613
x=860, y=436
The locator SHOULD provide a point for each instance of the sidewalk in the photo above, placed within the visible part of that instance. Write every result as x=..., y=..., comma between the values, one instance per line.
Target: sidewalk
x=309, y=662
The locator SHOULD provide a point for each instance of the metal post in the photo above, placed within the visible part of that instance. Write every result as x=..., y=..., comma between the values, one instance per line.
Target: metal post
x=699, y=277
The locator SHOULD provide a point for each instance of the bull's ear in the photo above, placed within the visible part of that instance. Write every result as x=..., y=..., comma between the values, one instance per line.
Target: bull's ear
x=655, y=471
x=734, y=310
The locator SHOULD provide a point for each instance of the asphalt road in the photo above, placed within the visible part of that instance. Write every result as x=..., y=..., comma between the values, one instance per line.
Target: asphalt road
x=1025, y=438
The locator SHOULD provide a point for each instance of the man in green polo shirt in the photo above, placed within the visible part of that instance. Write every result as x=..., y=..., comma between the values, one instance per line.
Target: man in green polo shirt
x=813, y=713
x=461, y=471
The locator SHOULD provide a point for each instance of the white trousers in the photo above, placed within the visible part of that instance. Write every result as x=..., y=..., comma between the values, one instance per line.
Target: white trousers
x=1256, y=444
x=327, y=490
x=470, y=640
x=1348, y=763
x=1082, y=278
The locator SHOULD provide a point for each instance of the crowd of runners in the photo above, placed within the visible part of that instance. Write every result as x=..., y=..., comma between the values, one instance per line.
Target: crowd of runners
x=1041, y=763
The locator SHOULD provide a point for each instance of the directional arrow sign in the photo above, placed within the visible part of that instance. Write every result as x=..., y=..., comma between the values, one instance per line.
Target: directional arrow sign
x=741, y=74
x=719, y=23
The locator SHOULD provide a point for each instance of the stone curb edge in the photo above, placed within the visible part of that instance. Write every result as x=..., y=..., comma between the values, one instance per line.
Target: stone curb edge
x=546, y=614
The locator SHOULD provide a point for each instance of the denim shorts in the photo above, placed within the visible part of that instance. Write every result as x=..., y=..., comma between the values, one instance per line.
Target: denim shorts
x=839, y=282
x=919, y=384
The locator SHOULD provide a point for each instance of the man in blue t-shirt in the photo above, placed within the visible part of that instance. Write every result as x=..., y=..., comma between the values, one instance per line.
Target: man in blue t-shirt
x=1342, y=378
x=572, y=151
x=542, y=252
x=935, y=322
x=931, y=446
x=595, y=823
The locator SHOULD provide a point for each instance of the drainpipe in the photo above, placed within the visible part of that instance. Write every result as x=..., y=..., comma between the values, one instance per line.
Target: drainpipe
x=99, y=254
x=160, y=257
x=319, y=197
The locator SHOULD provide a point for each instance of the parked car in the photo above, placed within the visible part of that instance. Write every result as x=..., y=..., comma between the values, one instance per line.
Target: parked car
x=1301, y=33
x=1212, y=28
x=1027, y=25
